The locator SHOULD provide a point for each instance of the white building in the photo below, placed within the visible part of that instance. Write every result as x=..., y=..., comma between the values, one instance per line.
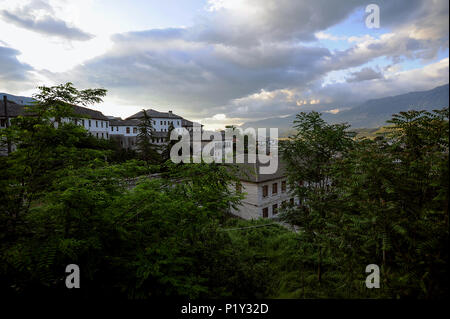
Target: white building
x=264, y=194
x=93, y=121
x=161, y=120
x=126, y=131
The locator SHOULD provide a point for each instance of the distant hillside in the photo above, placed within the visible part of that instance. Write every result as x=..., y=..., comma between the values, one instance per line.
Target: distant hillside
x=376, y=112
x=372, y=113
x=24, y=100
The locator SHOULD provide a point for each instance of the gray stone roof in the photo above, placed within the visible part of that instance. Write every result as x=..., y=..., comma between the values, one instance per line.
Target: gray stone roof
x=123, y=122
x=160, y=134
x=250, y=172
x=13, y=109
x=154, y=114
x=187, y=123
x=93, y=114
x=17, y=109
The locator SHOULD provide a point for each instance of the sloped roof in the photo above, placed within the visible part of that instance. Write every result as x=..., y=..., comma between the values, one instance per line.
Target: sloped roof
x=93, y=114
x=154, y=114
x=187, y=123
x=116, y=122
x=13, y=109
x=250, y=172
x=160, y=134
x=18, y=109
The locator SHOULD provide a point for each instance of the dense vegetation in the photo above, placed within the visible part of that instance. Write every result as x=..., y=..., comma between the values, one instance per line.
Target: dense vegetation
x=68, y=198
x=364, y=201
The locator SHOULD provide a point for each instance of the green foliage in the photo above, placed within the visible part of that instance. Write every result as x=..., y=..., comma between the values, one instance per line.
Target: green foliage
x=139, y=229
x=382, y=201
x=146, y=149
x=165, y=154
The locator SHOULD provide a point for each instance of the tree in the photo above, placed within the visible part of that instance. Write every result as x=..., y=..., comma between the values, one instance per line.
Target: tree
x=386, y=203
x=45, y=145
x=168, y=145
x=145, y=147
x=309, y=156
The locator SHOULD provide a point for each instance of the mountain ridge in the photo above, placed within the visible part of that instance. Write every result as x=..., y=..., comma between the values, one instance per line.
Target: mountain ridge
x=23, y=100
x=373, y=112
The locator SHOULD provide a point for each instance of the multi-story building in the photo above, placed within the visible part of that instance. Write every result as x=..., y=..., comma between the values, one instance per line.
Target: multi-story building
x=126, y=131
x=93, y=121
x=264, y=194
x=161, y=120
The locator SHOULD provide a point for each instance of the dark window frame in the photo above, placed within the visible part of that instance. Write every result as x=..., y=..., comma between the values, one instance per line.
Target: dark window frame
x=283, y=186
x=274, y=209
x=265, y=212
x=265, y=191
x=275, y=188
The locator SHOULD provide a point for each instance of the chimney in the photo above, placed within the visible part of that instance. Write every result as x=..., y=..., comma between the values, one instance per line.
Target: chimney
x=170, y=112
x=5, y=105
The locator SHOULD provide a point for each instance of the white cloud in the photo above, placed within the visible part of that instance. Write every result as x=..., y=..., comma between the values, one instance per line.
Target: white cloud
x=241, y=59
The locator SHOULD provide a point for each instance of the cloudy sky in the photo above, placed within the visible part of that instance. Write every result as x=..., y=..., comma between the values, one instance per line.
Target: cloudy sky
x=224, y=61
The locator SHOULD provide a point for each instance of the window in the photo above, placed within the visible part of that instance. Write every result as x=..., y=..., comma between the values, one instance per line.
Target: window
x=101, y=122
x=3, y=122
x=107, y=135
x=178, y=122
x=117, y=128
x=112, y=128
x=82, y=122
x=106, y=124
x=96, y=134
x=103, y=135
x=275, y=209
x=274, y=188
x=161, y=122
x=265, y=212
x=283, y=186
x=134, y=130
x=128, y=130
x=90, y=123
x=96, y=123
x=154, y=122
x=265, y=190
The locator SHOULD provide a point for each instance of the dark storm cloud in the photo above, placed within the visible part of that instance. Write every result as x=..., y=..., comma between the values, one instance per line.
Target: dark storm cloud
x=14, y=75
x=364, y=74
x=11, y=69
x=48, y=24
x=222, y=62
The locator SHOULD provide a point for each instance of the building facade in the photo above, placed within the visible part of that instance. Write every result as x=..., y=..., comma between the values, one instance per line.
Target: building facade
x=93, y=121
x=126, y=131
x=264, y=194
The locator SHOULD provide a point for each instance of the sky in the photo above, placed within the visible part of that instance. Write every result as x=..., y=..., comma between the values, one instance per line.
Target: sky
x=222, y=62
